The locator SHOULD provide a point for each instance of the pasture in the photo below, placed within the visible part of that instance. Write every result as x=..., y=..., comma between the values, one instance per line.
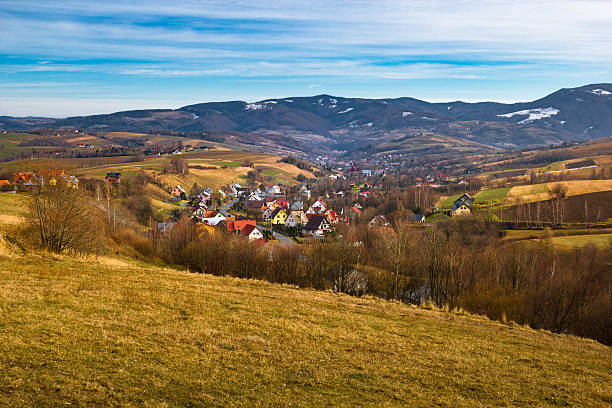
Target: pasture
x=117, y=332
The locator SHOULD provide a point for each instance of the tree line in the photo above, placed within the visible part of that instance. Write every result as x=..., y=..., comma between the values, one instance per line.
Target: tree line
x=459, y=263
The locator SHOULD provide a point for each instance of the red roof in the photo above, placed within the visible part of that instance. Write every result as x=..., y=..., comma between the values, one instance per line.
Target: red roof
x=357, y=210
x=247, y=229
x=240, y=224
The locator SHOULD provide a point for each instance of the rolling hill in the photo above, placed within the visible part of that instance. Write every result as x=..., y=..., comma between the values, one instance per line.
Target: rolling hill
x=324, y=123
x=115, y=332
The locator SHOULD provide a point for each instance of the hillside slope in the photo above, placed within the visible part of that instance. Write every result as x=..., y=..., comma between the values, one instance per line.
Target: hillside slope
x=110, y=332
x=325, y=122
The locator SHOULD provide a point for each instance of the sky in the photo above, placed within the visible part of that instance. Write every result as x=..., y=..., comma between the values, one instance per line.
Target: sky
x=66, y=58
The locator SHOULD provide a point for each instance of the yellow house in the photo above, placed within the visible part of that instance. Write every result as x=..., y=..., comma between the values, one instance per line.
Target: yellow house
x=206, y=228
x=279, y=216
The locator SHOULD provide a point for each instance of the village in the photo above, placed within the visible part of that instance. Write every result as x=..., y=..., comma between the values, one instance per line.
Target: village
x=287, y=215
x=291, y=214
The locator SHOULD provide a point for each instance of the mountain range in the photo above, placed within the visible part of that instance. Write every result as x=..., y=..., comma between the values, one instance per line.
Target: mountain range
x=330, y=123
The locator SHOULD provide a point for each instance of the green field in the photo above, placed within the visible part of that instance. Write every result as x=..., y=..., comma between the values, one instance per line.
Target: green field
x=226, y=163
x=493, y=194
x=448, y=202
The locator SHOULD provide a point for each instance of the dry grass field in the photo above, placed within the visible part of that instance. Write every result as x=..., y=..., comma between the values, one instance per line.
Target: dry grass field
x=110, y=332
x=221, y=167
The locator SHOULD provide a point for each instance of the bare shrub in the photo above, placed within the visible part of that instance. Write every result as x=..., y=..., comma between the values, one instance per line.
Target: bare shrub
x=65, y=220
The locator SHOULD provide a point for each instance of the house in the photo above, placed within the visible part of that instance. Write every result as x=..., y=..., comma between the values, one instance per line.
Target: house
x=267, y=214
x=252, y=232
x=238, y=225
x=278, y=217
x=296, y=218
x=254, y=197
x=178, y=192
x=463, y=205
x=5, y=185
x=71, y=181
x=255, y=205
x=238, y=190
x=274, y=190
x=282, y=203
x=332, y=216
x=213, y=217
x=379, y=221
x=297, y=206
x=317, y=208
x=21, y=178
x=420, y=218
x=113, y=177
x=317, y=226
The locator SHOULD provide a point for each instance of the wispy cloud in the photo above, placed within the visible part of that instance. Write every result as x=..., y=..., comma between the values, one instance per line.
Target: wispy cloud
x=462, y=45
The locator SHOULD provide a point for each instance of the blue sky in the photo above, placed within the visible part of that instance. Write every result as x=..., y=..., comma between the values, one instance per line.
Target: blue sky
x=62, y=58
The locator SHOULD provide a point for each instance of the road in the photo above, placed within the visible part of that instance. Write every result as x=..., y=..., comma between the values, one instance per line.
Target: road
x=223, y=210
x=283, y=239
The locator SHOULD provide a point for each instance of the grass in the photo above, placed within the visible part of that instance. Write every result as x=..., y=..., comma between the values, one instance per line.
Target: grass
x=112, y=332
x=448, y=202
x=493, y=194
x=97, y=168
x=226, y=163
x=13, y=208
x=570, y=242
x=117, y=332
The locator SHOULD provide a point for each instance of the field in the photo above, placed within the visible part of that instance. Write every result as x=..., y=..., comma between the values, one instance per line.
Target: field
x=572, y=241
x=220, y=168
x=492, y=195
x=448, y=202
x=112, y=332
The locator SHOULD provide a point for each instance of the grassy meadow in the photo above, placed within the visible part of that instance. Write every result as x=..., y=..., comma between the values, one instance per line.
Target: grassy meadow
x=219, y=168
x=113, y=332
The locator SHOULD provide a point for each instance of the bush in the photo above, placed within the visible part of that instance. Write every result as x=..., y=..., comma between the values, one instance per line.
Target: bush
x=65, y=220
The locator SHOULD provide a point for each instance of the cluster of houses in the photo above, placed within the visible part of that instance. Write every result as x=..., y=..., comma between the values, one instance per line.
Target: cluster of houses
x=270, y=205
x=273, y=207
x=34, y=180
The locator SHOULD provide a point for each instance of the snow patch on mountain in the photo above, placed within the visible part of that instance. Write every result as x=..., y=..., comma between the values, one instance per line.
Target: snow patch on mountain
x=404, y=114
x=532, y=114
x=258, y=106
x=600, y=92
x=345, y=111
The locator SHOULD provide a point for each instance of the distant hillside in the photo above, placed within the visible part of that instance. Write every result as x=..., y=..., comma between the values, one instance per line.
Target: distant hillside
x=322, y=123
x=112, y=332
